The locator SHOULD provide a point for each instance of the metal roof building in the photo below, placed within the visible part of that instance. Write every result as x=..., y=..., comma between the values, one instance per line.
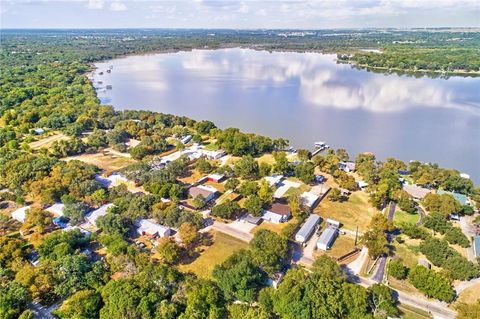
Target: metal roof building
x=327, y=238
x=307, y=229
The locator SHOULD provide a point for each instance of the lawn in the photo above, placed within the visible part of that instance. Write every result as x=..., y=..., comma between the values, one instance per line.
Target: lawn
x=191, y=176
x=404, y=217
x=223, y=246
x=46, y=142
x=266, y=158
x=356, y=211
x=277, y=228
x=212, y=146
x=470, y=295
x=408, y=312
x=342, y=245
x=104, y=160
x=409, y=258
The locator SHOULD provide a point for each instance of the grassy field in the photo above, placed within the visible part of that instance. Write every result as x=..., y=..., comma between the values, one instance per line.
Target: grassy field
x=277, y=228
x=106, y=161
x=266, y=158
x=222, y=248
x=191, y=177
x=409, y=257
x=470, y=295
x=47, y=141
x=404, y=217
x=212, y=146
x=342, y=245
x=357, y=211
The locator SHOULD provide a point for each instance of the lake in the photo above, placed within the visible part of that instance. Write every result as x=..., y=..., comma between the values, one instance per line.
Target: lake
x=307, y=97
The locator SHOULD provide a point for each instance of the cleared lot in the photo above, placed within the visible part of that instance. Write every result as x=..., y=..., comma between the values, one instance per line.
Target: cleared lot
x=47, y=141
x=223, y=246
x=105, y=160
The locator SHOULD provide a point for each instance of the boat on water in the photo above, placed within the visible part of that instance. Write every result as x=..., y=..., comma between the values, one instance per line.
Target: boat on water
x=321, y=144
x=100, y=73
x=109, y=71
x=109, y=86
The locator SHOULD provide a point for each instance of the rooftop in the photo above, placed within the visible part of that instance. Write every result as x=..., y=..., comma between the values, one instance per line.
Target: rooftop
x=278, y=208
x=327, y=235
x=416, y=191
x=311, y=222
x=462, y=199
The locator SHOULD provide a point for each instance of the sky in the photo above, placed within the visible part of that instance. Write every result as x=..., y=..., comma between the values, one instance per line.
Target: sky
x=237, y=14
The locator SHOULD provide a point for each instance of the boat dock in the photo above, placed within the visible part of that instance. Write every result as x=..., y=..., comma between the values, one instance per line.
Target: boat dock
x=319, y=147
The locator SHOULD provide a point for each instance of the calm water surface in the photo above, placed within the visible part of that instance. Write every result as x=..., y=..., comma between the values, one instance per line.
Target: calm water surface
x=307, y=97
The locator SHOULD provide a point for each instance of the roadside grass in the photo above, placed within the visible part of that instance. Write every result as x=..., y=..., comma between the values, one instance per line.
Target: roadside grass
x=404, y=217
x=356, y=211
x=46, y=142
x=408, y=312
x=223, y=247
x=403, y=285
x=470, y=295
x=104, y=160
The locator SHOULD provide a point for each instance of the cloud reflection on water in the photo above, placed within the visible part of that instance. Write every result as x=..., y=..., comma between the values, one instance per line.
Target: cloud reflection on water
x=323, y=83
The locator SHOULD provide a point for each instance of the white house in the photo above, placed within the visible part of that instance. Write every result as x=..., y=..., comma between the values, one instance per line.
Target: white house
x=347, y=166
x=114, y=179
x=274, y=180
x=56, y=209
x=415, y=191
x=20, y=214
x=309, y=200
x=101, y=211
x=151, y=228
x=277, y=213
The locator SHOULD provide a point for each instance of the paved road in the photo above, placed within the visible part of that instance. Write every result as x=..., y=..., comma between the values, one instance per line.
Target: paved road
x=422, y=214
x=391, y=212
x=379, y=270
x=382, y=262
x=224, y=228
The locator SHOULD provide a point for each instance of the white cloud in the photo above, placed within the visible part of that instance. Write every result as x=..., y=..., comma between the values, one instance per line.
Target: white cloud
x=95, y=4
x=118, y=6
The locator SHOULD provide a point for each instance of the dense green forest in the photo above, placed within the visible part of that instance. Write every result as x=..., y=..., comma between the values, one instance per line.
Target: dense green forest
x=43, y=84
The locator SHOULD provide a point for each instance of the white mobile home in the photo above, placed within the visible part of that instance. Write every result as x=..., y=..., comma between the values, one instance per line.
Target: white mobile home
x=327, y=238
x=307, y=229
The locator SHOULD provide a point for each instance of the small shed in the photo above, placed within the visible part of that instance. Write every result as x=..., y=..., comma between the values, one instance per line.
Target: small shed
x=307, y=229
x=216, y=178
x=252, y=219
x=186, y=139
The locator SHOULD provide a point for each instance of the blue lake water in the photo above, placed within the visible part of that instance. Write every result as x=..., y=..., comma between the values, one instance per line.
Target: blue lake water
x=306, y=97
